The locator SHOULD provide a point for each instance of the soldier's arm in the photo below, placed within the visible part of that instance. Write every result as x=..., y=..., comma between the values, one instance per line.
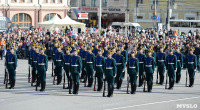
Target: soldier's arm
x=114, y=67
x=103, y=62
x=181, y=60
x=175, y=63
x=93, y=58
x=126, y=56
x=137, y=66
x=80, y=64
x=15, y=61
x=127, y=65
x=195, y=62
x=123, y=63
x=153, y=65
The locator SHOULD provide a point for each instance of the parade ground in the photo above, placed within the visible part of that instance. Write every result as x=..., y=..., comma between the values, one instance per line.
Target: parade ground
x=24, y=97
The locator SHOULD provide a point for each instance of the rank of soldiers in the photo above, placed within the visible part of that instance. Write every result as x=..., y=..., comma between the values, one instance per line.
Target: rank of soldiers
x=104, y=64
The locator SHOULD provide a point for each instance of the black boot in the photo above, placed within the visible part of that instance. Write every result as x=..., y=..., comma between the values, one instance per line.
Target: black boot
x=90, y=81
x=171, y=84
x=12, y=84
x=132, y=88
x=191, y=82
x=74, y=88
x=149, y=86
x=59, y=80
x=178, y=77
x=77, y=88
x=42, y=86
x=100, y=85
x=109, y=91
x=161, y=80
x=119, y=84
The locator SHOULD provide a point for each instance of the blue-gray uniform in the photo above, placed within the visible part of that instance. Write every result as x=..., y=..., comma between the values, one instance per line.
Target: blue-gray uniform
x=100, y=69
x=149, y=70
x=95, y=51
x=125, y=54
x=171, y=64
x=67, y=61
x=34, y=68
x=58, y=62
x=54, y=52
x=90, y=63
x=31, y=54
x=105, y=53
x=110, y=71
x=179, y=57
x=133, y=69
x=141, y=59
x=11, y=65
x=83, y=54
x=42, y=66
x=191, y=63
x=120, y=61
x=161, y=61
x=75, y=69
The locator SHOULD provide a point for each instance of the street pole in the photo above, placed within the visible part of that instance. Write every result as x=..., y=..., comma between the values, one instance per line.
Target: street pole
x=168, y=17
x=136, y=11
x=155, y=15
x=99, y=16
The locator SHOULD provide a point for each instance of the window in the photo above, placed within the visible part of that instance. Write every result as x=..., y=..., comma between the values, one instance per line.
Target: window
x=45, y=1
x=139, y=17
x=29, y=1
x=83, y=3
x=157, y=2
x=22, y=1
x=173, y=17
x=13, y=1
x=93, y=3
x=50, y=16
x=190, y=18
x=21, y=19
x=140, y=1
x=172, y=2
x=52, y=1
x=180, y=2
x=105, y=3
x=59, y=1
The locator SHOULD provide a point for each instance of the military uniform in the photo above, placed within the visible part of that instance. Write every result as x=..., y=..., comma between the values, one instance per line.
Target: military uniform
x=67, y=61
x=191, y=63
x=179, y=57
x=34, y=68
x=149, y=70
x=133, y=69
x=31, y=54
x=83, y=54
x=161, y=61
x=75, y=69
x=110, y=71
x=100, y=69
x=171, y=65
x=141, y=59
x=42, y=66
x=58, y=62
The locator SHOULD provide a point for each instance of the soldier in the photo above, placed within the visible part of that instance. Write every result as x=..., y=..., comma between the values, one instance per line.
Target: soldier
x=179, y=57
x=95, y=50
x=11, y=65
x=120, y=61
x=90, y=63
x=34, y=65
x=171, y=64
x=75, y=69
x=31, y=54
x=100, y=68
x=105, y=50
x=161, y=61
x=110, y=72
x=149, y=69
x=133, y=69
x=58, y=62
x=83, y=54
x=54, y=49
x=191, y=63
x=42, y=66
x=125, y=54
x=141, y=57
x=67, y=61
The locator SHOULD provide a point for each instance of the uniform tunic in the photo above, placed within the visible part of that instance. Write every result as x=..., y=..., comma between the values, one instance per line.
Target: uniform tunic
x=58, y=62
x=161, y=61
x=42, y=66
x=99, y=67
x=171, y=65
x=110, y=70
x=120, y=61
x=11, y=64
x=133, y=69
x=75, y=67
x=191, y=63
x=179, y=57
x=149, y=68
x=90, y=63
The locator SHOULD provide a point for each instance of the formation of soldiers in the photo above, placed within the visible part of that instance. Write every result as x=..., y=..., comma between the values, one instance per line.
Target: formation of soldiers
x=105, y=62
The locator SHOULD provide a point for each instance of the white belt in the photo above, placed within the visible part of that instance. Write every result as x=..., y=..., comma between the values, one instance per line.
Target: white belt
x=178, y=60
x=74, y=65
x=119, y=63
x=170, y=63
x=190, y=62
x=109, y=68
x=11, y=62
x=132, y=67
x=58, y=60
x=67, y=63
x=99, y=65
x=35, y=61
x=53, y=54
x=148, y=65
x=41, y=63
x=30, y=58
x=89, y=62
x=141, y=62
x=83, y=59
x=161, y=60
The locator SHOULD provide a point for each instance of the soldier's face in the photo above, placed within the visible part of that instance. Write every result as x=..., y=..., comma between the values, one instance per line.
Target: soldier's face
x=90, y=51
x=99, y=53
x=161, y=50
x=67, y=51
x=12, y=51
x=149, y=53
x=133, y=55
x=171, y=52
x=42, y=51
x=190, y=52
x=75, y=53
x=109, y=55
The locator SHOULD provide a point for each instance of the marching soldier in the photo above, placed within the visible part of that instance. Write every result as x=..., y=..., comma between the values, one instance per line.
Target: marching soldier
x=125, y=54
x=100, y=68
x=141, y=57
x=105, y=50
x=75, y=69
x=11, y=65
x=179, y=57
x=58, y=62
x=149, y=69
x=83, y=54
x=120, y=61
x=31, y=54
x=171, y=65
x=133, y=69
x=110, y=72
x=42, y=66
x=34, y=65
x=161, y=61
x=95, y=50
x=90, y=63
x=191, y=63
x=67, y=61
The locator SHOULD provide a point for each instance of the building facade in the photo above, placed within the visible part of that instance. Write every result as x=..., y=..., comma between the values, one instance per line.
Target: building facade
x=181, y=9
x=112, y=11
x=26, y=13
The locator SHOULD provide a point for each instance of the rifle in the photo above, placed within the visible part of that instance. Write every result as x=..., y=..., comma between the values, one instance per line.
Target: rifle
x=29, y=74
x=54, y=78
x=104, y=87
x=157, y=76
x=144, y=89
x=95, y=78
x=186, y=78
x=127, y=85
x=36, y=81
x=52, y=69
x=6, y=78
x=64, y=81
x=166, y=80
x=69, y=87
x=85, y=81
